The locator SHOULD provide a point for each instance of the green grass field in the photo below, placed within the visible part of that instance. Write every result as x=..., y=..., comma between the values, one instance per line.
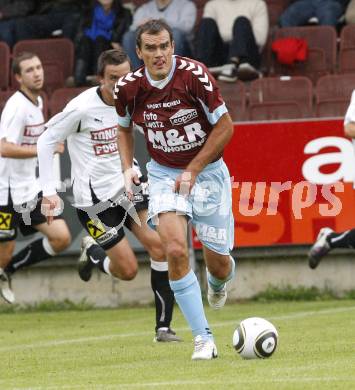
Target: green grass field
x=113, y=349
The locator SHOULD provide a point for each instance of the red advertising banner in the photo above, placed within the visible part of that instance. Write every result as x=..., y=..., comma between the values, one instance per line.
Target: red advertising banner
x=289, y=179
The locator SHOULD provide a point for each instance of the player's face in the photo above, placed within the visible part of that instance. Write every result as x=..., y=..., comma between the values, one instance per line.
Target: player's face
x=111, y=74
x=157, y=51
x=31, y=76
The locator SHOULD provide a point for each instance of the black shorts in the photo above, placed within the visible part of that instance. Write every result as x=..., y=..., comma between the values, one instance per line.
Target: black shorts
x=107, y=229
x=25, y=218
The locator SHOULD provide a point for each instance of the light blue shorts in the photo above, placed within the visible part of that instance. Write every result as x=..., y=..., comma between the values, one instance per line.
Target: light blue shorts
x=209, y=206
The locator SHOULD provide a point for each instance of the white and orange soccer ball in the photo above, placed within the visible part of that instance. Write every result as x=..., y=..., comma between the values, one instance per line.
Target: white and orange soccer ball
x=255, y=338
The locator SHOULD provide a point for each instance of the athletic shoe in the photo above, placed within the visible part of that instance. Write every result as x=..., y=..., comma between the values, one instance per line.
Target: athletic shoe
x=247, y=72
x=5, y=287
x=85, y=264
x=205, y=349
x=228, y=73
x=216, y=299
x=215, y=70
x=320, y=248
x=166, y=335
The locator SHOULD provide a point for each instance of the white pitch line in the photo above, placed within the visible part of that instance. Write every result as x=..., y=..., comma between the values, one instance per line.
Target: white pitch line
x=147, y=333
x=235, y=382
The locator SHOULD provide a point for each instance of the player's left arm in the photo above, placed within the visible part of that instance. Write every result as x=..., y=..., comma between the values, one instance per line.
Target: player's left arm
x=219, y=137
x=204, y=89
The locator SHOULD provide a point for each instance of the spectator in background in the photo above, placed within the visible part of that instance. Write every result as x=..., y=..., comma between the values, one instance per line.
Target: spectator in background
x=299, y=12
x=103, y=26
x=51, y=18
x=179, y=14
x=232, y=33
x=350, y=13
x=10, y=11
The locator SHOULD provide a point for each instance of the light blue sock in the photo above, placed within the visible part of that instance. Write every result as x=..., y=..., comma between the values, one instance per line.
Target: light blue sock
x=217, y=284
x=188, y=296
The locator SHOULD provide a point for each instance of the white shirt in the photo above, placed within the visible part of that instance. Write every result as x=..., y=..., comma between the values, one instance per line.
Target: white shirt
x=22, y=122
x=224, y=12
x=90, y=127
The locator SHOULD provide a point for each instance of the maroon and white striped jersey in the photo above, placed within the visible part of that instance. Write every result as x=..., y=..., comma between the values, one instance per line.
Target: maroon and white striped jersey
x=176, y=114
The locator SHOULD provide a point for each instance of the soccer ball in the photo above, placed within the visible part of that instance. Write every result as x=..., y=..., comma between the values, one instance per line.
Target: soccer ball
x=255, y=338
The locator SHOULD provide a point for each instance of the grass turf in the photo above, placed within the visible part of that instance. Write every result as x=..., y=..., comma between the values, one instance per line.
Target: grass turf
x=113, y=349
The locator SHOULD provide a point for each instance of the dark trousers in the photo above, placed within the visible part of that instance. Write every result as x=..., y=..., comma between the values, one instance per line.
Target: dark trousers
x=42, y=26
x=88, y=52
x=8, y=31
x=212, y=51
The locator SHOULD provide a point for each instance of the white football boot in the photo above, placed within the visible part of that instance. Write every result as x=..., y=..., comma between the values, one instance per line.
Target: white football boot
x=216, y=299
x=205, y=349
x=320, y=248
x=5, y=287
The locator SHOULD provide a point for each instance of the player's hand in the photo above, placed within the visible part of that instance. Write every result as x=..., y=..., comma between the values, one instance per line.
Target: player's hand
x=59, y=148
x=130, y=177
x=184, y=183
x=51, y=206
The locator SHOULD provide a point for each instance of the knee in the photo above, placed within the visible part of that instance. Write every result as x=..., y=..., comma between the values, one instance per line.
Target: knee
x=176, y=250
x=207, y=24
x=156, y=252
x=128, y=273
x=61, y=242
x=241, y=22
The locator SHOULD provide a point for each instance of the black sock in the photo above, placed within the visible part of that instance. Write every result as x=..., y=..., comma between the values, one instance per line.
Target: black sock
x=342, y=240
x=97, y=256
x=164, y=298
x=31, y=254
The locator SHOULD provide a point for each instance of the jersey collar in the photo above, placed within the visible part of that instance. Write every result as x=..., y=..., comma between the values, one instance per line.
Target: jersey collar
x=160, y=84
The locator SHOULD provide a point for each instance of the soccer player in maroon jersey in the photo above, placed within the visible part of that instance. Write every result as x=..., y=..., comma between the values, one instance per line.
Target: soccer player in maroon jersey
x=177, y=104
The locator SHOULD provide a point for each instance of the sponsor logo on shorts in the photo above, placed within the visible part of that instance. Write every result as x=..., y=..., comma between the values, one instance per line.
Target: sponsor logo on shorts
x=109, y=235
x=183, y=116
x=7, y=233
x=5, y=220
x=138, y=198
x=211, y=234
x=95, y=228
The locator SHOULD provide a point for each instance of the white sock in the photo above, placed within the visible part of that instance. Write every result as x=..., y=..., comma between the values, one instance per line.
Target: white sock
x=48, y=247
x=160, y=266
x=106, y=265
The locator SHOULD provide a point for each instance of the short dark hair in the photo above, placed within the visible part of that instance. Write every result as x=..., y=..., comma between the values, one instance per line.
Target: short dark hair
x=23, y=56
x=111, y=57
x=153, y=27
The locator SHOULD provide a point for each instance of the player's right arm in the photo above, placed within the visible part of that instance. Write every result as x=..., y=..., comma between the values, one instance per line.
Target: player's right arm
x=125, y=138
x=58, y=129
x=126, y=150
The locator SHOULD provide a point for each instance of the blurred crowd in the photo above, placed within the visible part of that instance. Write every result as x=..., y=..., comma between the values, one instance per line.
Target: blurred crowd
x=229, y=36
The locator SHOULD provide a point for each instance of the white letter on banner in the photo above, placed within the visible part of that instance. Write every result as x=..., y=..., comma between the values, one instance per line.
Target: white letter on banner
x=345, y=157
x=300, y=202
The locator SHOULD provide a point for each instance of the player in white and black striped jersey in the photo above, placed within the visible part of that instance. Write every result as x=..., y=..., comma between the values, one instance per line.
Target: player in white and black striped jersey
x=89, y=124
x=22, y=122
